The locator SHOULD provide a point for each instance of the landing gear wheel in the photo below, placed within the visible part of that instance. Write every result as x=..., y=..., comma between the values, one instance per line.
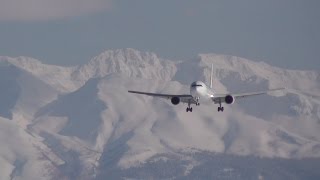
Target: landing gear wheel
x=220, y=109
x=189, y=108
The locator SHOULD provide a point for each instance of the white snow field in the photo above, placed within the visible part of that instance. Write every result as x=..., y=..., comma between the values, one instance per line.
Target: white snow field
x=81, y=123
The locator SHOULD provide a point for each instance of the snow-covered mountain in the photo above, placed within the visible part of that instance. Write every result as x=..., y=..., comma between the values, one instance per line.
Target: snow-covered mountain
x=80, y=122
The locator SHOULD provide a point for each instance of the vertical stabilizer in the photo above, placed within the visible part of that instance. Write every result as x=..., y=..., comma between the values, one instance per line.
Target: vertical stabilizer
x=211, y=75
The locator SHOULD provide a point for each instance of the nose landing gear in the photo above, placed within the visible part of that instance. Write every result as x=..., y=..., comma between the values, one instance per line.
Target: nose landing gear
x=197, y=101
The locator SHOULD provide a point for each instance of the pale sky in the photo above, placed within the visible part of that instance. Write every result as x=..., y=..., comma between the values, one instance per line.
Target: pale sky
x=284, y=33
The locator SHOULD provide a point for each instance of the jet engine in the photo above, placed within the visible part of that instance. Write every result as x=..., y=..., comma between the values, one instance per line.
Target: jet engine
x=175, y=100
x=229, y=99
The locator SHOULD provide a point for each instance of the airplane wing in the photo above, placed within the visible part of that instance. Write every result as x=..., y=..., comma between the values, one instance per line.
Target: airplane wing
x=185, y=98
x=221, y=98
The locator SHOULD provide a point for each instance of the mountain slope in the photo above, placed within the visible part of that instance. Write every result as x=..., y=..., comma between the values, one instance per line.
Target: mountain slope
x=86, y=124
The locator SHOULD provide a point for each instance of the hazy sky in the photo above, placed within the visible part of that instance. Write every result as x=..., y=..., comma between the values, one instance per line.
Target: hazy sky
x=284, y=33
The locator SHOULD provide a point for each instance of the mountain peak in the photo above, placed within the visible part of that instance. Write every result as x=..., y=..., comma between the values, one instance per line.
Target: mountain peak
x=228, y=61
x=130, y=62
x=127, y=54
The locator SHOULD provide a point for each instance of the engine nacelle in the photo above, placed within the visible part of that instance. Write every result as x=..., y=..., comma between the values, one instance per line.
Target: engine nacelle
x=229, y=99
x=175, y=100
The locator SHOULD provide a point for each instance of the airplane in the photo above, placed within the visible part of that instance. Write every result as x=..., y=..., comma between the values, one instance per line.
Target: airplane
x=200, y=92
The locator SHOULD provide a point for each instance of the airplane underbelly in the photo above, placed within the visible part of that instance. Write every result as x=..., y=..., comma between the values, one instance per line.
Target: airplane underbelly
x=202, y=94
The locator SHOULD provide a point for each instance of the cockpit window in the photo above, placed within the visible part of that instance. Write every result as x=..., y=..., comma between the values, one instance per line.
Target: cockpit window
x=195, y=85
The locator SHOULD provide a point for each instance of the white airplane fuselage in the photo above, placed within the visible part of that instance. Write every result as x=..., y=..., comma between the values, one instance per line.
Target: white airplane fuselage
x=200, y=92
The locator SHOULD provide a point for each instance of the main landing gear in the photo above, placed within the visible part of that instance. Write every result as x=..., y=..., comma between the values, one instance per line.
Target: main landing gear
x=189, y=108
x=220, y=108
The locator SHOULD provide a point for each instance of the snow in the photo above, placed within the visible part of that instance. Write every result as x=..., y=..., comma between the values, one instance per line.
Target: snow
x=80, y=121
